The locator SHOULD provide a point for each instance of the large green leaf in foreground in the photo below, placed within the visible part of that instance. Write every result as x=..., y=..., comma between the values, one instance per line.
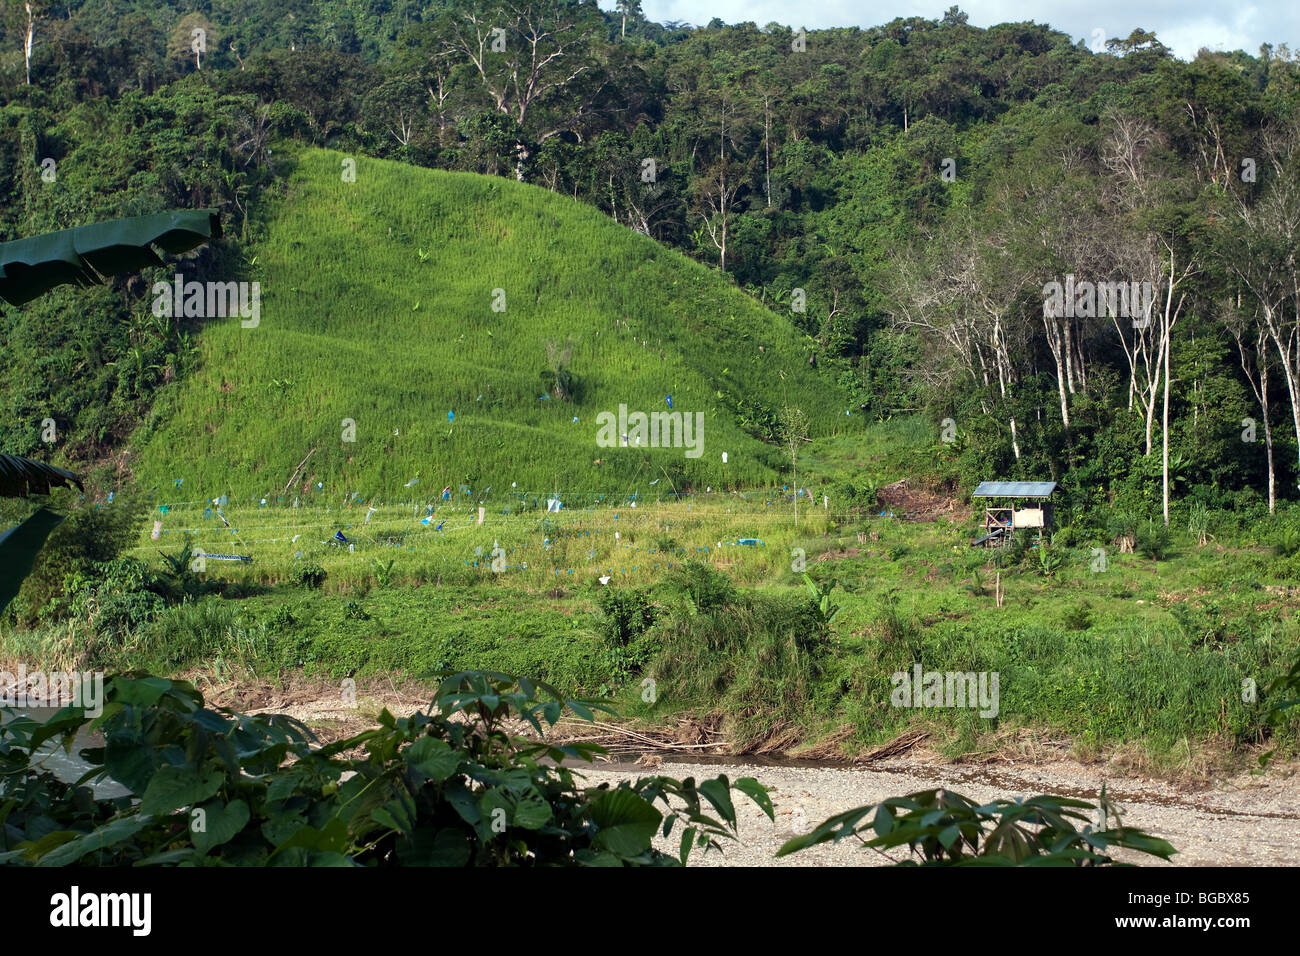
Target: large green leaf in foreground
x=18, y=549
x=85, y=255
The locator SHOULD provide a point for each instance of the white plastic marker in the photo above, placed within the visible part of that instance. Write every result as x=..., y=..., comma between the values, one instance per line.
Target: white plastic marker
x=371, y=510
x=411, y=482
x=724, y=457
x=157, y=530
x=603, y=579
x=481, y=512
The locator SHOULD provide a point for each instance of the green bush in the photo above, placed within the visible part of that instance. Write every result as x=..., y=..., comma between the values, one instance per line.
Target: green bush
x=1153, y=541
x=447, y=788
x=705, y=589
x=90, y=537
x=760, y=662
x=943, y=828
x=626, y=614
x=1049, y=560
x=310, y=576
x=1077, y=617
x=114, y=597
x=1287, y=542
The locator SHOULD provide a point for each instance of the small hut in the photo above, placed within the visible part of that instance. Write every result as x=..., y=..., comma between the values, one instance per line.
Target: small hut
x=1012, y=505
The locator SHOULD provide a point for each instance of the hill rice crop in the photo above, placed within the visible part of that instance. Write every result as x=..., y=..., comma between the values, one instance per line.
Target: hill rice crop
x=377, y=307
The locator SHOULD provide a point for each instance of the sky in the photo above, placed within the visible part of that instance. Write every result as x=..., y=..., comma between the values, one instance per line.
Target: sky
x=1182, y=25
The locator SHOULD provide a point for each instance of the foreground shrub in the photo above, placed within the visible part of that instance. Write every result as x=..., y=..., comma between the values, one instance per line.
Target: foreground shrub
x=946, y=829
x=447, y=788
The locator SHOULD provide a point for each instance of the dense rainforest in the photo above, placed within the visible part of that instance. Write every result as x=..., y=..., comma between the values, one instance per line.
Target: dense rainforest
x=1076, y=263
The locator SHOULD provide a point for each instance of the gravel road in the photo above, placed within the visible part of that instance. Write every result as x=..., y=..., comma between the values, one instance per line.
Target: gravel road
x=1248, y=820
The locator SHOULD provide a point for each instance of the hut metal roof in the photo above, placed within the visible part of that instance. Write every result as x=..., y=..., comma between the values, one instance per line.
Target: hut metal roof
x=1014, y=489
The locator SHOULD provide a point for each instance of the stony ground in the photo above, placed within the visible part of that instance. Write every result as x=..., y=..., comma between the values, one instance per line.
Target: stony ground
x=1248, y=820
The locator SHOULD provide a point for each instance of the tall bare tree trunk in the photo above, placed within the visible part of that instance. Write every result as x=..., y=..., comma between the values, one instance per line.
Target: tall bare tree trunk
x=1268, y=441
x=27, y=43
x=1164, y=427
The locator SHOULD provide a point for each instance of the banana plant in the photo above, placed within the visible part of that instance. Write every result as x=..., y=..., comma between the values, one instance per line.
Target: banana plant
x=22, y=478
x=821, y=597
x=82, y=256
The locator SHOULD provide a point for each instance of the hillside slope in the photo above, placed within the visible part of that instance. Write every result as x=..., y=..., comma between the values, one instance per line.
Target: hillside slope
x=377, y=306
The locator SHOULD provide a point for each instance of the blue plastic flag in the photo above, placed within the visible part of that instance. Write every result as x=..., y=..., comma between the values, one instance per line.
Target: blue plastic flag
x=338, y=536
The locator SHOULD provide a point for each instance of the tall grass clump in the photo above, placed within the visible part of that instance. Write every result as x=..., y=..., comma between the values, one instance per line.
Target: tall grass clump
x=755, y=656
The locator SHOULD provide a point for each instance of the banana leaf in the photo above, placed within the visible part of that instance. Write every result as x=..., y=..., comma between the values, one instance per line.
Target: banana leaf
x=23, y=477
x=18, y=549
x=86, y=255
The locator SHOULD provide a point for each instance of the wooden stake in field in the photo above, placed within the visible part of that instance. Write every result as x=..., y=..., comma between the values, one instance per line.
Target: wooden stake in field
x=295, y=472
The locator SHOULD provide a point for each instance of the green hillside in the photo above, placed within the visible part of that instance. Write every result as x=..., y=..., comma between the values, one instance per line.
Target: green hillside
x=377, y=306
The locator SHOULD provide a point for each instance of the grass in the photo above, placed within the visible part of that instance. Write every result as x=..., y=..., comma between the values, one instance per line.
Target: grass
x=377, y=307
x=1147, y=653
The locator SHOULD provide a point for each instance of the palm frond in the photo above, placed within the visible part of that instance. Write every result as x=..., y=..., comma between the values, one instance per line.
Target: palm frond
x=23, y=477
x=85, y=255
